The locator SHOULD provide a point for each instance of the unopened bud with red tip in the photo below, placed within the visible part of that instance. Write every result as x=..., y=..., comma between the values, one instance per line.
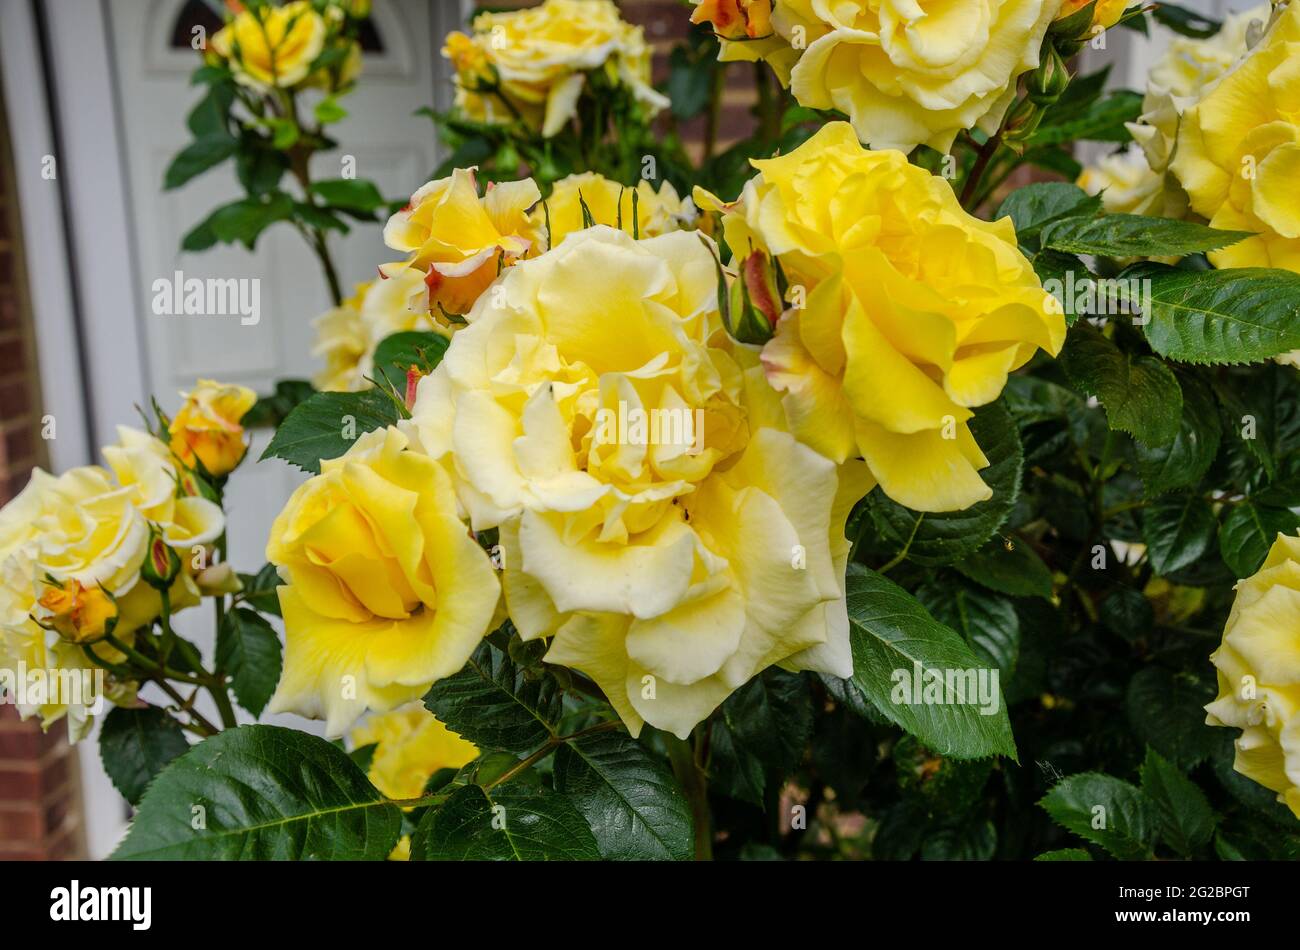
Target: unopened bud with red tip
x=161, y=562
x=413, y=377
x=755, y=300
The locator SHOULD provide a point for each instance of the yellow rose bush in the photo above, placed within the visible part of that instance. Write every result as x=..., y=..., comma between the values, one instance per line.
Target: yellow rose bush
x=674, y=471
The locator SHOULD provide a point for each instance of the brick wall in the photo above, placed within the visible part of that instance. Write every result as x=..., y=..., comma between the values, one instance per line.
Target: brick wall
x=39, y=813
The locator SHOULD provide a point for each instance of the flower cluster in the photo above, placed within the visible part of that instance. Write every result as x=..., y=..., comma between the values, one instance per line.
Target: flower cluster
x=91, y=558
x=534, y=65
x=297, y=45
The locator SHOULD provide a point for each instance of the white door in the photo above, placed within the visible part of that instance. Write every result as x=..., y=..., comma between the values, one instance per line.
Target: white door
x=391, y=146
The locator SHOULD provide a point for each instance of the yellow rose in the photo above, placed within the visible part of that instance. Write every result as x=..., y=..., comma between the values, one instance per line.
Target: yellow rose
x=457, y=241
x=272, y=46
x=79, y=614
x=905, y=73
x=1259, y=674
x=54, y=527
x=656, y=520
x=1238, y=153
x=207, y=427
x=410, y=745
x=913, y=312
x=1105, y=14
x=1127, y=185
x=657, y=212
x=385, y=591
x=532, y=64
x=347, y=335
x=1179, y=78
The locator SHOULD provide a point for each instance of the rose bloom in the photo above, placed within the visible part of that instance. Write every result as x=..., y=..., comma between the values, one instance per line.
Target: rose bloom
x=532, y=64
x=347, y=335
x=458, y=241
x=206, y=430
x=735, y=19
x=1259, y=674
x=906, y=74
x=273, y=47
x=610, y=203
x=411, y=744
x=914, y=312
x=1238, y=152
x=673, y=562
x=384, y=590
x=1143, y=183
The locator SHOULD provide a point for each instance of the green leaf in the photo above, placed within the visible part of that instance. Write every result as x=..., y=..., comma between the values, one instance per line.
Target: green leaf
x=1039, y=204
x=1186, y=819
x=1178, y=529
x=135, y=745
x=1184, y=21
x=1100, y=120
x=396, y=353
x=1263, y=413
x=504, y=824
x=1141, y=394
x=260, y=590
x=968, y=841
x=325, y=425
x=284, y=133
x=1238, y=315
x=1054, y=270
x=734, y=771
x=941, y=538
x=771, y=717
x=328, y=110
x=628, y=797
x=1135, y=235
x=1106, y=811
x=1182, y=462
x=1127, y=612
x=249, y=651
x=355, y=194
x=259, y=168
x=1167, y=712
x=1065, y=854
x=240, y=221
x=209, y=119
x=891, y=634
x=262, y=793
x=198, y=157
x=270, y=411
x=986, y=621
x=1249, y=531
x=1008, y=568
x=494, y=705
